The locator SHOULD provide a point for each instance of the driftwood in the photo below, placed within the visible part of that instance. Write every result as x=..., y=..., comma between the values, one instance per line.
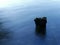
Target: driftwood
x=41, y=25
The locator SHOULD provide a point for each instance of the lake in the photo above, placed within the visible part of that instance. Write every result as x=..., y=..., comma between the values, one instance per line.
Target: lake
x=18, y=19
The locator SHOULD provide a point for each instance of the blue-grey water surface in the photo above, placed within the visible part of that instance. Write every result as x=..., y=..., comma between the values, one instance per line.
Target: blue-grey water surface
x=19, y=20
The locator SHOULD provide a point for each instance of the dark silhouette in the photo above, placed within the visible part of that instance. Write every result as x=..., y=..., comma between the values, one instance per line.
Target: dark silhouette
x=41, y=25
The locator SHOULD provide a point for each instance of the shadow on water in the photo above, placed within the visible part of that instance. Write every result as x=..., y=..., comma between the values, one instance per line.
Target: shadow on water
x=5, y=34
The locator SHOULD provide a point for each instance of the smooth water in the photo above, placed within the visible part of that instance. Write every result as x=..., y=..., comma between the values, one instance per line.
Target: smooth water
x=19, y=20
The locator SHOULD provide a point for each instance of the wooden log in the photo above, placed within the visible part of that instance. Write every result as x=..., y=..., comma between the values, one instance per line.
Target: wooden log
x=41, y=25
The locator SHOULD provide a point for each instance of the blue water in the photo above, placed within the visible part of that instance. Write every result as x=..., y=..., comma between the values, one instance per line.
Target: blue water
x=19, y=20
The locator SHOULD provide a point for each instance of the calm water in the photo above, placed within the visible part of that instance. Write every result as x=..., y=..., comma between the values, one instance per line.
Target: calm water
x=19, y=20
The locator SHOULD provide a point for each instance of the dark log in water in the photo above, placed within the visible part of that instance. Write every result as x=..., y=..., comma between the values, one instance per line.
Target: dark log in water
x=41, y=25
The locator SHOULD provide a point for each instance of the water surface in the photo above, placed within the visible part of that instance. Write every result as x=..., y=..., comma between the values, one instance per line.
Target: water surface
x=19, y=19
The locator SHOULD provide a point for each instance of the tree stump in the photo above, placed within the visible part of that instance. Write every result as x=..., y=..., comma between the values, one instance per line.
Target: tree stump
x=41, y=25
